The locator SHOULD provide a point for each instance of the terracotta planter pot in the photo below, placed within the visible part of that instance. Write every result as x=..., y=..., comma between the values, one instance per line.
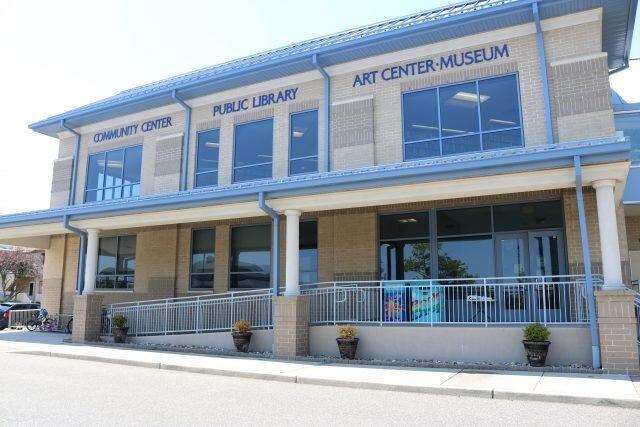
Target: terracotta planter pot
x=347, y=347
x=241, y=340
x=536, y=351
x=119, y=335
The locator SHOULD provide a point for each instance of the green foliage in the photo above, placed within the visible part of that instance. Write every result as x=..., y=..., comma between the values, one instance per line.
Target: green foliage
x=536, y=332
x=118, y=321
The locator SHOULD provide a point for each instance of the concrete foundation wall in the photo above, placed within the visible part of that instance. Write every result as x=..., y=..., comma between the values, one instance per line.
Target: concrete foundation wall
x=261, y=341
x=462, y=344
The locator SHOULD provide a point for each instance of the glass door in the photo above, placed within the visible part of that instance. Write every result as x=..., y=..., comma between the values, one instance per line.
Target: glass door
x=548, y=260
x=512, y=259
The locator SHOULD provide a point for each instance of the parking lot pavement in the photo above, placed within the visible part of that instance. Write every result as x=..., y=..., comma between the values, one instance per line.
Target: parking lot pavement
x=79, y=392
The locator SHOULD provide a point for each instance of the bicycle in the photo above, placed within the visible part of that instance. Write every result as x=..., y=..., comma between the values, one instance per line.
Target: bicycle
x=48, y=325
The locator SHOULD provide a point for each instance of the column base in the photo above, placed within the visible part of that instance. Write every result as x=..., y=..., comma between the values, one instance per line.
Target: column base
x=617, y=327
x=87, y=317
x=291, y=326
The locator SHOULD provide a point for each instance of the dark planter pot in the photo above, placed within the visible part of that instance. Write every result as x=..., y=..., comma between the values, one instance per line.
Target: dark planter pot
x=536, y=352
x=348, y=347
x=242, y=340
x=119, y=335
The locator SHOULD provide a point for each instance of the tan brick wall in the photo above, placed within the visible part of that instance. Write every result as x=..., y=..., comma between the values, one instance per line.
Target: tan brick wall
x=291, y=326
x=372, y=132
x=618, y=333
x=633, y=232
x=87, y=317
x=61, y=182
x=53, y=274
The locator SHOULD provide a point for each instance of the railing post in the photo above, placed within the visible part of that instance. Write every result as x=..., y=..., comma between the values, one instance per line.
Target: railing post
x=137, y=318
x=544, y=302
x=334, y=303
x=380, y=289
x=486, y=303
x=166, y=316
x=198, y=314
x=233, y=312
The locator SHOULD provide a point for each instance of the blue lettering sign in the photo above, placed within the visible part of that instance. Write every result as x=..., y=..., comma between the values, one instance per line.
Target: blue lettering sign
x=257, y=101
x=131, y=130
x=448, y=62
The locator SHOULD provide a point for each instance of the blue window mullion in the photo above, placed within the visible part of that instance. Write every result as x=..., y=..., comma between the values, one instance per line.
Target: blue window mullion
x=439, y=120
x=479, y=116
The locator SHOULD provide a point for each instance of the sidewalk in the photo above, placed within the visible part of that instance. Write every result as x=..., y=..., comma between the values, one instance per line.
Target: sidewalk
x=612, y=390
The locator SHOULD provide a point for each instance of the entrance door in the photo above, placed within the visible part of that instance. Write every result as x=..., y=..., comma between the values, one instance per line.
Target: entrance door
x=512, y=259
x=547, y=259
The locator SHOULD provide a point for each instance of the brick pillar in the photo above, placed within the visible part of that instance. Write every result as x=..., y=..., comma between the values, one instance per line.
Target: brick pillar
x=617, y=325
x=87, y=317
x=291, y=326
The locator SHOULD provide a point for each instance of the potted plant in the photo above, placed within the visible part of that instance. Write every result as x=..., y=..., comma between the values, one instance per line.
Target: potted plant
x=119, y=328
x=242, y=335
x=536, y=343
x=347, y=341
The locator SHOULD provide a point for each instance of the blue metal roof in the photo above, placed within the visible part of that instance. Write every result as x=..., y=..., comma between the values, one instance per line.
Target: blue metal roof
x=422, y=28
x=489, y=163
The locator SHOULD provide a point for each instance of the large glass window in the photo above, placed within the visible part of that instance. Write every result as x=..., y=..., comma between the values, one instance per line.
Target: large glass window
x=250, y=257
x=202, y=259
x=404, y=246
x=303, y=156
x=462, y=118
x=116, y=262
x=308, y=252
x=114, y=174
x=207, y=158
x=253, y=156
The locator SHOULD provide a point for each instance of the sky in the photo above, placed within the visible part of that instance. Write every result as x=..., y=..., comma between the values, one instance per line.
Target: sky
x=58, y=55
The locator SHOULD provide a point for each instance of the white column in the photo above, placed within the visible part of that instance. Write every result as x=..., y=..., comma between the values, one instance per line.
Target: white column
x=91, y=261
x=608, y=228
x=292, y=274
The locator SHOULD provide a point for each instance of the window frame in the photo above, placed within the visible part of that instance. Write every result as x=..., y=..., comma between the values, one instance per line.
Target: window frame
x=317, y=155
x=213, y=273
x=104, y=177
x=479, y=133
x=317, y=249
x=235, y=150
x=217, y=171
x=230, y=273
x=114, y=276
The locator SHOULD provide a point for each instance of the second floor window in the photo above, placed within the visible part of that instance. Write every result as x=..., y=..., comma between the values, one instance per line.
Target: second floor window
x=207, y=158
x=468, y=117
x=253, y=152
x=114, y=174
x=116, y=263
x=303, y=151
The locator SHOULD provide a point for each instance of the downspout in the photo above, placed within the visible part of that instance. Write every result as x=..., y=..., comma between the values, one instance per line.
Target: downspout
x=326, y=164
x=74, y=163
x=586, y=260
x=82, y=256
x=185, y=140
x=542, y=58
x=275, y=242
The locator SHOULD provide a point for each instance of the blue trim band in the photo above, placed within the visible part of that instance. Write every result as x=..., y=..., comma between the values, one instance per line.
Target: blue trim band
x=455, y=167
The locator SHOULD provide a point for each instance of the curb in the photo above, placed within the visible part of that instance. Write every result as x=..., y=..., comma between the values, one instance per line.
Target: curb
x=440, y=390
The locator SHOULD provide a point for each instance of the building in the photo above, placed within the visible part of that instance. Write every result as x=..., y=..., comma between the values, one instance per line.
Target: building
x=440, y=179
x=28, y=288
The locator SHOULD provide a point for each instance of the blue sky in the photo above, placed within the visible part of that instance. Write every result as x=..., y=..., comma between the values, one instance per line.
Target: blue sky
x=62, y=54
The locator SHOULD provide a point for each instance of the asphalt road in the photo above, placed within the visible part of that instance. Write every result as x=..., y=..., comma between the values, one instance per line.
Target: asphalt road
x=50, y=391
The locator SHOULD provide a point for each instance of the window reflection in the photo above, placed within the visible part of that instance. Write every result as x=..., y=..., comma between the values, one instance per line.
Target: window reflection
x=114, y=174
x=250, y=257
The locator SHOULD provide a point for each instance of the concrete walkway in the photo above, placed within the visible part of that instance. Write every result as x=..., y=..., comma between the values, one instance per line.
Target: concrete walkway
x=615, y=390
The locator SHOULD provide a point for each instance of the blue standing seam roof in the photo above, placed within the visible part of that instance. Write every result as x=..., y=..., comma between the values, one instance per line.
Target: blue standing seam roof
x=368, y=40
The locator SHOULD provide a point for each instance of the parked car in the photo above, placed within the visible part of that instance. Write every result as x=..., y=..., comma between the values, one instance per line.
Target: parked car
x=6, y=307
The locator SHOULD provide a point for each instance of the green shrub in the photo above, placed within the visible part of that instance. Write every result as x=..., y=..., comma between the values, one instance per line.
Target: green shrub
x=536, y=332
x=118, y=321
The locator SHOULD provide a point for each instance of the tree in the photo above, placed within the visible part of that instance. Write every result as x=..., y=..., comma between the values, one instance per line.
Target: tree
x=17, y=269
